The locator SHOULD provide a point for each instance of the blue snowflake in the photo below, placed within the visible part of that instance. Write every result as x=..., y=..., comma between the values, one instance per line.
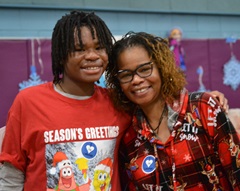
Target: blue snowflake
x=32, y=81
x=231, y=73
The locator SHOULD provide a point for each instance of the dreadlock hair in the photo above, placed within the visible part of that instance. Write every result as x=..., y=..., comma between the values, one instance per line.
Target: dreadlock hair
x=63, y=37
x=172, y=78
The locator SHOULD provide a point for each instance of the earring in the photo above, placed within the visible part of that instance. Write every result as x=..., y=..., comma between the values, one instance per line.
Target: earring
x=124, y=99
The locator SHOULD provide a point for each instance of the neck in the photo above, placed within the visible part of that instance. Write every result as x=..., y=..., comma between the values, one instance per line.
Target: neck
x=154, y=114
x=76, y=89
x=154, y=111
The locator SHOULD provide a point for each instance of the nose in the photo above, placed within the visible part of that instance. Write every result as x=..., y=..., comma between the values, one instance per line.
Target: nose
x=91, y=55
x=136, y=79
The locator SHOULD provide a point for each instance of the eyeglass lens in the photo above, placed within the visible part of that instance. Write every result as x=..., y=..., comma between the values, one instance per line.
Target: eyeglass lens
x=142, y=71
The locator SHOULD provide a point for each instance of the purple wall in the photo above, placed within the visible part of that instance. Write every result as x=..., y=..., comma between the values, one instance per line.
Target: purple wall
x=15, y=62
x=16, y=59
x=211, y=55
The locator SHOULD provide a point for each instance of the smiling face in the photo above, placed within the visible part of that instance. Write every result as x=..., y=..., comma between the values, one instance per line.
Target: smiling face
x=85, y=65
x=66, y=180
x=142, y=91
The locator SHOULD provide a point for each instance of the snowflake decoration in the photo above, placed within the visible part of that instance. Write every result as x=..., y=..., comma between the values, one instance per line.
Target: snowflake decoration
x=174, y=151
x=146, y=151
x=187, y=157
x=175, y=104
x=209, y=146
x=197, y=96
x=33, y=81
x=163, y=162
x=231, y=73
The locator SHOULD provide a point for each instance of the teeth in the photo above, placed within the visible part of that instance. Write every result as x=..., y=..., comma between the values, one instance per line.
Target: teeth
x=92, y=68
x=141, y=90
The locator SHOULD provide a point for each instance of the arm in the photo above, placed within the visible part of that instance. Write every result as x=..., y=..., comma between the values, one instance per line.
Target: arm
x=10, y=177
x=224, y=136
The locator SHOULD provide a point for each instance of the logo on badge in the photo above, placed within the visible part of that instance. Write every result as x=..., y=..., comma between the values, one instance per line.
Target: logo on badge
x=89, y=150
x=148, y=164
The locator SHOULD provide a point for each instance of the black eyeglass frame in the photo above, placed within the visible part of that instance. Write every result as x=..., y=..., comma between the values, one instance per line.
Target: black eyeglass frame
x=135, y=72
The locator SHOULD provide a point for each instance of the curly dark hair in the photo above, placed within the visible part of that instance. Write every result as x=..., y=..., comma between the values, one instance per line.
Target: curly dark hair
x=172, y=77
x=63, y=37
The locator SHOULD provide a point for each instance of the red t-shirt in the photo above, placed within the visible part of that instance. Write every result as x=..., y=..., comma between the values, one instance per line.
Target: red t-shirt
x=64, y=143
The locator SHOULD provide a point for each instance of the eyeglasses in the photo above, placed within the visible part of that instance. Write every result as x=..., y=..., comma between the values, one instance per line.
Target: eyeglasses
x=143, y=71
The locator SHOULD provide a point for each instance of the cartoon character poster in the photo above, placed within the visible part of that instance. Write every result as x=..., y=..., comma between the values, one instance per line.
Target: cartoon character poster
x=80, y=165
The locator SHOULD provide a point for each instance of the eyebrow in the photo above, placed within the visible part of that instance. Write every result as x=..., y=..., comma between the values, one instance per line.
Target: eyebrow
x=96, y=43
x=136, y=67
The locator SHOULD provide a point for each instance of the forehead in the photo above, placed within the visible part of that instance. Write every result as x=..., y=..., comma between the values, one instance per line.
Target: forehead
x=132, y=57
x=85, y=34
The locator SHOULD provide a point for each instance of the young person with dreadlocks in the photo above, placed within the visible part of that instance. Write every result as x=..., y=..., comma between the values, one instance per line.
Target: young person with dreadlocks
x=65, y=135
x=178, y=140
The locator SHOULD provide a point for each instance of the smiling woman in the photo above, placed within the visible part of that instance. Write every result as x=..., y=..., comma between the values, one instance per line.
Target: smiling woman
x=178, y=140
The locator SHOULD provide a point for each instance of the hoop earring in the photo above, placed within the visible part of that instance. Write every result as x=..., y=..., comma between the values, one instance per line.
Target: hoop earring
x=123, y=98
x=125, y=102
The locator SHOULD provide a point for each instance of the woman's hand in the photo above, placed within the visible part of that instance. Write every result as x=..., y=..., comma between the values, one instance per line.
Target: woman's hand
x=221, y=98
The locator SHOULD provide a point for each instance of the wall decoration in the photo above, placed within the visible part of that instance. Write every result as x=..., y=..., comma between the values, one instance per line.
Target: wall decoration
x=34, y=78
x=211, y=54
x=175, y=38
x=200, y=72
x=231, y=68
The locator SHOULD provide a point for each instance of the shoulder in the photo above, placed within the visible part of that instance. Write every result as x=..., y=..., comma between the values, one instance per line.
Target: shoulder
x=101, y=89
x=203, y=98
x=36, y=89
x=33, y=92
x=207, y=106
x=104, y=96
x=102, y=92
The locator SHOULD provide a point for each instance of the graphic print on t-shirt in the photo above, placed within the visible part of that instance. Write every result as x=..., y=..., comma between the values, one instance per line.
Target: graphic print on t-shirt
x=80, y=165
